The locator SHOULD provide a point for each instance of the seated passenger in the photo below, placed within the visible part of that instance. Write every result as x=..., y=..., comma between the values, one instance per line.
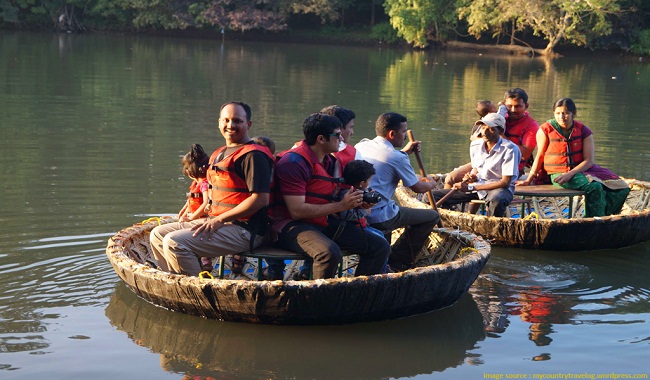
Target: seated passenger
x=494, y=169
x=308, y=179
x=566, y=152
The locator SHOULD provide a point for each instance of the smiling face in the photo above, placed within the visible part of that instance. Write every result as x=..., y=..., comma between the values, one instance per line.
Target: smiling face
x=234, y=124
x=564, y=117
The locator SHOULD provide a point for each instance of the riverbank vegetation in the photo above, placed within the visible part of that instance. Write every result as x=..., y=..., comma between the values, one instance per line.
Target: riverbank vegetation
x=542, y=25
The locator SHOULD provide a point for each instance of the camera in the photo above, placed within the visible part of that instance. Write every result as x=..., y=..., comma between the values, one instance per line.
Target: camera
x=371, y=196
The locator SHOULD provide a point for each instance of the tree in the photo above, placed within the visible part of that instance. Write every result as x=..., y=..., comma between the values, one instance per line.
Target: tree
x=487, y=15
x=244, y=15
x=161, y=13
x=421, y=21
x=576, y=21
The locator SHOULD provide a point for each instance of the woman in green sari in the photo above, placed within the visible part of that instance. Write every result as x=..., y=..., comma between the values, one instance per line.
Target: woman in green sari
x=565, y=150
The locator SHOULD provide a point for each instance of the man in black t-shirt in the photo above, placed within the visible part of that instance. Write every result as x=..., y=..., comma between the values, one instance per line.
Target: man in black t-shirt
x=240, y=184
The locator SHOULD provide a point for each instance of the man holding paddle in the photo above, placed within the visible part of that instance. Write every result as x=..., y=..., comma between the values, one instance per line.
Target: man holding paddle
x=391, y=166
x=495, y=162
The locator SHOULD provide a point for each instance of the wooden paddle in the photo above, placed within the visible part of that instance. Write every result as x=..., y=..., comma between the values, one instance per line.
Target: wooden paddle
x=442, y=200
x=423, y=173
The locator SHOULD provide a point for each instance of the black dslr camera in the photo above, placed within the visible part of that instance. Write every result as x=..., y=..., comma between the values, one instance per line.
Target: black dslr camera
x=370, y=196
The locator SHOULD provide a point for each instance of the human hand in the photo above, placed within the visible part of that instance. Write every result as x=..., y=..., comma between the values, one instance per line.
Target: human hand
x=206, y=228
x=412, y=146
x=462, y=186
x=470, y=177
x=564, y=178
x=352, y=199
x=522, y=183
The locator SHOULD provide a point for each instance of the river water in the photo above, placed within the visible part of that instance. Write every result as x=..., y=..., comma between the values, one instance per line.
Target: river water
x=92, y=129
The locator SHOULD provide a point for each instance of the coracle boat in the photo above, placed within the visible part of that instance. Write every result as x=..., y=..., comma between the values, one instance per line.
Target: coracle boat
x=446, y=267
x=549, y=229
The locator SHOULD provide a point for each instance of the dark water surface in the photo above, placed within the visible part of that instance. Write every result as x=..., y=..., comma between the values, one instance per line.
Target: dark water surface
x=92, y=129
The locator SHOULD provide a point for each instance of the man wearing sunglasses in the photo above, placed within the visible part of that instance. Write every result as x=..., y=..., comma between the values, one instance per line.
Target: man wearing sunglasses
x=308, y=183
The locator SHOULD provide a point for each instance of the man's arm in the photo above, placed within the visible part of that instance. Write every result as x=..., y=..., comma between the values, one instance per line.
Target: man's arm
x=423, y=186
x=256, y=168
x=528, y=141
x=299, y=209
x=504, y=182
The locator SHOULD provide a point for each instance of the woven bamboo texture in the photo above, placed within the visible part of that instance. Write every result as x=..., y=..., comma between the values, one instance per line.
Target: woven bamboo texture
x=552, y=230
x=458, y=258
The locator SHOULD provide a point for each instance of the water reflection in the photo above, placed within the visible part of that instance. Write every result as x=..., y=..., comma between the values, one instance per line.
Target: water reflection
x=401, y=348
x=546, y=289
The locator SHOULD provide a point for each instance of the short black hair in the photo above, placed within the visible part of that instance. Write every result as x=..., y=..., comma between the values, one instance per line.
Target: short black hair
x=356, y=171
x=341, y=113
x=245, y=106
x=483, y=107
x=319, y=124
x=516, y=93
x=389, y=121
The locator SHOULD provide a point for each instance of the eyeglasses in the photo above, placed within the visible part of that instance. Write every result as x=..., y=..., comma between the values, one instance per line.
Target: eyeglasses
x=338, y=134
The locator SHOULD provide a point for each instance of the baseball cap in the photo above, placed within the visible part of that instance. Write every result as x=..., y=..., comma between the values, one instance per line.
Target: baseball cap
x=491, y=120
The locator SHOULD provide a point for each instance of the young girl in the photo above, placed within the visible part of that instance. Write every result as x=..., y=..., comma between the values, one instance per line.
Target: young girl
x=195, y=166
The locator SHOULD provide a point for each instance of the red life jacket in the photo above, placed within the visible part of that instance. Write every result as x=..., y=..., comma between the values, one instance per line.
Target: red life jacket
x=227, y=189
x=321, y=187
x=562, y=154
x=346, y=155
x=195, y=197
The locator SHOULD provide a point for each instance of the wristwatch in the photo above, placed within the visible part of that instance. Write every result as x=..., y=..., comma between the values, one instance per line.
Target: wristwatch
x=470, y=187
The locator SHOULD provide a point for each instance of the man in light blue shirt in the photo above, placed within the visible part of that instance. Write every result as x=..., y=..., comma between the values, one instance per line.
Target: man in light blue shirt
x=392, y=166
x=494, y=169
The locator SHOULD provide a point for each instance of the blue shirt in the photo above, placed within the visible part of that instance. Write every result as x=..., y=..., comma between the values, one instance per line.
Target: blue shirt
x=391, y=166
x=502, y=160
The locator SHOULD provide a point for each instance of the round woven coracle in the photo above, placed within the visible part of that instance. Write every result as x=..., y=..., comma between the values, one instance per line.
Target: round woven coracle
x=550, y=229
x=447, y=266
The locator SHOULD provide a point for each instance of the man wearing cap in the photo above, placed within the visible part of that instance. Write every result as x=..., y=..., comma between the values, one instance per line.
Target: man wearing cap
x=494, y=171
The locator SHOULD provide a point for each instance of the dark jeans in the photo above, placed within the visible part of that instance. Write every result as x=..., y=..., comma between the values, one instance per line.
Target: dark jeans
x=419, y=223
x=324, y=244
x=496, y=202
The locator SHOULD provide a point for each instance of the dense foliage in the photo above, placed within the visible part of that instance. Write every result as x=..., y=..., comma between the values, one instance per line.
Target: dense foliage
x=622, y=24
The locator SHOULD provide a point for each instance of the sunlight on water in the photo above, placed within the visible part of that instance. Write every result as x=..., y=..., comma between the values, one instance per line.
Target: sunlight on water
x=92, y=132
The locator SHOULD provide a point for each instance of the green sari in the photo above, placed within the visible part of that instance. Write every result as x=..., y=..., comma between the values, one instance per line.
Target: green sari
x=605, y=192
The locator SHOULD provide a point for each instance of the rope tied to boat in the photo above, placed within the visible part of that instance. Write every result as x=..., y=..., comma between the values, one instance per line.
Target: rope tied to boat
x=532, y=215
x=206, y=275
x=466, y=251
x=153, y=219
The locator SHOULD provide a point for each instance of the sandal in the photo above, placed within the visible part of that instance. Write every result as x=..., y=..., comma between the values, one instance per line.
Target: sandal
x=237, y=264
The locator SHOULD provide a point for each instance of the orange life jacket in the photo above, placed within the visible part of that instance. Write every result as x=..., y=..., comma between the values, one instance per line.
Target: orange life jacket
x=562, y=154
x=227, y=189
x=321, y=187
x=194, y=196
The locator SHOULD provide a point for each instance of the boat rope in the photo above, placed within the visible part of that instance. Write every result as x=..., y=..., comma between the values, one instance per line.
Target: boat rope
x=532, y=215
x=466, y=251
x=154, y=219
x=206, y=275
